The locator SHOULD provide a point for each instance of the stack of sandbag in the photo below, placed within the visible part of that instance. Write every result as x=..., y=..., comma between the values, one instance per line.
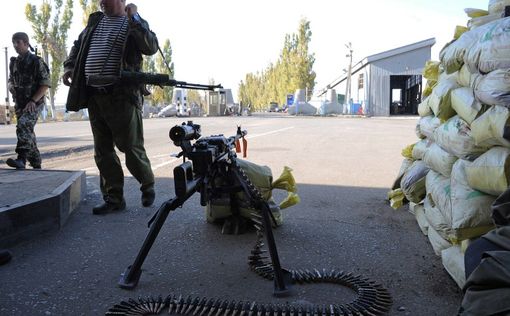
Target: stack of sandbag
x=464, y=131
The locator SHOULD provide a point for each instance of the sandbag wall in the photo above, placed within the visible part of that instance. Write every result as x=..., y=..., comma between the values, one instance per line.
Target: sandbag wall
x=461, y=162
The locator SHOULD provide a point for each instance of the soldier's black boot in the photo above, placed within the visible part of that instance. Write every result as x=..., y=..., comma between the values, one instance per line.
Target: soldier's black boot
x=108, y=207
x=18, y=163
x=148, y=197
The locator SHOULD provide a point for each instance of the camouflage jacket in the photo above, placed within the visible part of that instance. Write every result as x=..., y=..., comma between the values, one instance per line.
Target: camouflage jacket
x=140, y=40
x=27, y=73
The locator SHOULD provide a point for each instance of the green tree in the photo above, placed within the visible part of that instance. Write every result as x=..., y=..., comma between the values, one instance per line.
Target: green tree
x=166, y=66
x=293, y=70
x=51, y=37
x=88, y=8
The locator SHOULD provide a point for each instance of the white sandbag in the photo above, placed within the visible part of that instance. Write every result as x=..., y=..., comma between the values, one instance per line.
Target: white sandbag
x=437, y=242
x=438, y=197
x=464, y=103
x=490, y=172
x=492, y=48
x=471, y=209
x=424, y=108
x=423, y=223
x=454, y=136
x=491, y=128
x=420, y=148
x=439, y=100
x=453, y=261
x=493, y=88
x=452, y=55
x=413, y=181
x=498, y=6
x=439, y=160
x=428, y=125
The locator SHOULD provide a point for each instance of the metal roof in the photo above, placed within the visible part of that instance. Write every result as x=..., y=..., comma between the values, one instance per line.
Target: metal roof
x=372, y=58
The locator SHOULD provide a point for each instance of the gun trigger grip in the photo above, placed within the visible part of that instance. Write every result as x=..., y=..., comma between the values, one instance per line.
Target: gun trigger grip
x=245, y=148
x=238, y=146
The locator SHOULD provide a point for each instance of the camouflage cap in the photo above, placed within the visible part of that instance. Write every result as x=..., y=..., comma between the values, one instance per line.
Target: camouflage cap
x=20, y=36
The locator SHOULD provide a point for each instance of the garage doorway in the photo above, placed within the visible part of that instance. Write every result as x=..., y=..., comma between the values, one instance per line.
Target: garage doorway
x=405, y=94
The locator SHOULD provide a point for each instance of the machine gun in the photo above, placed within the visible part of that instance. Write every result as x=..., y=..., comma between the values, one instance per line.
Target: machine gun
x=133, y=77
x=211, y=162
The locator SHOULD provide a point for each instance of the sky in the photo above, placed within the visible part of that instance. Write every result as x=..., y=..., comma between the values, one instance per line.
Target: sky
x=226, y=39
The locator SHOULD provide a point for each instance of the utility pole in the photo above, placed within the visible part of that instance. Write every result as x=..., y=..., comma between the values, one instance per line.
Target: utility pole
x=348, y=80
x=6, y=77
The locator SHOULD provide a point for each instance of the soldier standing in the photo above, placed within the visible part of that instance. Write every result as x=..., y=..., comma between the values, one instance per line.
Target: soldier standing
x=113, y=40
x=29, y=79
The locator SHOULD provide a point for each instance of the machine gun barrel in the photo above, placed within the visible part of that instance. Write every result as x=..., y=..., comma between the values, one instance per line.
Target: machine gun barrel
x=147, y=78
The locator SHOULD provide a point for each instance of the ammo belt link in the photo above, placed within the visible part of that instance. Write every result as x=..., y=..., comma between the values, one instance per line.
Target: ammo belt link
x=372, y=298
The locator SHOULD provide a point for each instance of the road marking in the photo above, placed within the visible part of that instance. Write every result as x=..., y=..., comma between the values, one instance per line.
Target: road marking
x=165, y=163
x=269, y=133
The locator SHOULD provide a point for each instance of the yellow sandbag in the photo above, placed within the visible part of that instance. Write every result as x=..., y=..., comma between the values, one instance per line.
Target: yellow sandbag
x=471, y=209
x=490, y=128
x=407, y=152
x=396, y=198
x=455, y=137
x=459, y=30
x=440, y=99
x=490, y=173
x=285, y=181
x=431, y=70
x=421, y=219
x=493, y=88
x=437, y=242
x=431, y=84
x=475, y=13
x=465, y=105
x=291, y=199
x=437, y=223
x=482, y=20
x=439, y=160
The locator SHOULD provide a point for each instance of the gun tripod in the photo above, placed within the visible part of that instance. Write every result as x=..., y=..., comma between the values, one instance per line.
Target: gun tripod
x=238, y=181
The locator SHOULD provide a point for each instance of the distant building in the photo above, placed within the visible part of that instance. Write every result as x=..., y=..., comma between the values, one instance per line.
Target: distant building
x=388, y=83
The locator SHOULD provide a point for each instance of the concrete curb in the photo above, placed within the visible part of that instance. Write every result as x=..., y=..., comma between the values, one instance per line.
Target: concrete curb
x=27, y=219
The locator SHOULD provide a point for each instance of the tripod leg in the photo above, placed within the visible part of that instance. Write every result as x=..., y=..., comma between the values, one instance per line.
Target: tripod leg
x=129, y=279
x=282, y=278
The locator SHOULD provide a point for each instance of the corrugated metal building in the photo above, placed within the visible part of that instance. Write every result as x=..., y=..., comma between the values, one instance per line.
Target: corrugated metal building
x=388, y=83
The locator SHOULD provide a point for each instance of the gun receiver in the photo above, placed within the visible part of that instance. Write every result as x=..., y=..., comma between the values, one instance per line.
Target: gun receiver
x=133, y=77
x=210, y=158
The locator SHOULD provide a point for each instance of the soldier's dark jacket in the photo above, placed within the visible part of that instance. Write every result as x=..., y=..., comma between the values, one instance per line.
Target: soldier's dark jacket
x=26, y=74
x=140, y=40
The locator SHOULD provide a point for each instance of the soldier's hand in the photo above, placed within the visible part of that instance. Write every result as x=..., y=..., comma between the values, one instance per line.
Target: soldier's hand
x=30, y=107
x=66, y=78
x=131, y=9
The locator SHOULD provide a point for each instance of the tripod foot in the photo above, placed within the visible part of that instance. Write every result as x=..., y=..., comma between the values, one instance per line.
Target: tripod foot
x=234, y=225
x=128, y=281
x=285, y=289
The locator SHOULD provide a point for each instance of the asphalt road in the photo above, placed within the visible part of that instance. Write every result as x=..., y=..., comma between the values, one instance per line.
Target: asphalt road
x=343, y=166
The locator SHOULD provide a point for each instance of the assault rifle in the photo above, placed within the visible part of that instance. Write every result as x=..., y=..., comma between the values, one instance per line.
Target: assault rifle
x=211, y=169
x=133, y=77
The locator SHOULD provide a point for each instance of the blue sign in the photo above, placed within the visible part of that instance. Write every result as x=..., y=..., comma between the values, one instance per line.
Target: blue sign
x=290, y=99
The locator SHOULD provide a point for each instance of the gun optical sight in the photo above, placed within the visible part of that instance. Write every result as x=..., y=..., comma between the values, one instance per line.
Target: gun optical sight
x=184, y=132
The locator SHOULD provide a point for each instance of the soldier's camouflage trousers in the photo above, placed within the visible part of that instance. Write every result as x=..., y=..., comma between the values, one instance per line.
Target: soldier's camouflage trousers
x=27, y=143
